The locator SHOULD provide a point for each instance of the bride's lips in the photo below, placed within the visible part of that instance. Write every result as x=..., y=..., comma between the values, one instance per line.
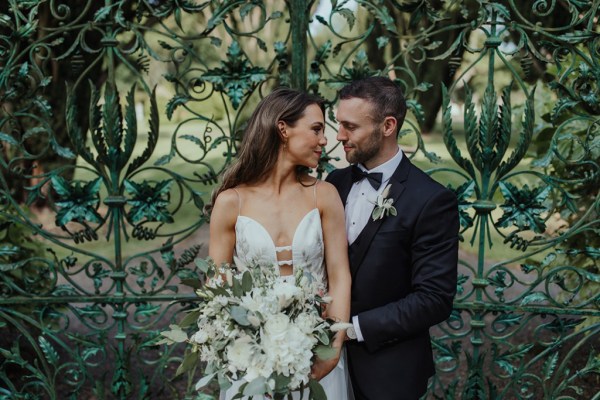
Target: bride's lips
x=318, y=153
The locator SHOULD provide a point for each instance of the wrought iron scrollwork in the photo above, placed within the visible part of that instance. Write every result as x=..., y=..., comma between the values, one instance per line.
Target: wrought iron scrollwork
x=117, y=117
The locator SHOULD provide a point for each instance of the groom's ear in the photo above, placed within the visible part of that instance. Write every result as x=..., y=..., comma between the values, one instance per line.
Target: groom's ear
x=390, y=126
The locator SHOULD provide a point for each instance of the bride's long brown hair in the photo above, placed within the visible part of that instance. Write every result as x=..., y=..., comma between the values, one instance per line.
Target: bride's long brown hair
x=262, y=140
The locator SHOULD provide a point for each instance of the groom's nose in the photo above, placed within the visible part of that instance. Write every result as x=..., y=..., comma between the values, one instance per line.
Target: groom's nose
x=342, y=134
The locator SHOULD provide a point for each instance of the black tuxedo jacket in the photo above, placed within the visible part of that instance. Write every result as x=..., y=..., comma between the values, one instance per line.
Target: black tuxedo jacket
x=403, y=282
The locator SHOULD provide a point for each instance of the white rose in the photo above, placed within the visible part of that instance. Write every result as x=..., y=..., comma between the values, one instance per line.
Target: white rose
x=276, y=326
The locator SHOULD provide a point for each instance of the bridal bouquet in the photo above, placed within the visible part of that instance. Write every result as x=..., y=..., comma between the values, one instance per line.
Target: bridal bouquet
x=258, y=328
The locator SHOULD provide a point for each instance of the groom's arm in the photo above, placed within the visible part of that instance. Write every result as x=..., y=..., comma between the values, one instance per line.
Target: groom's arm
x=434, y=253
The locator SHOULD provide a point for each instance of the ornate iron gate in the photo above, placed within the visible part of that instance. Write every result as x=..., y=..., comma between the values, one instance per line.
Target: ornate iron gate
x=100, y=211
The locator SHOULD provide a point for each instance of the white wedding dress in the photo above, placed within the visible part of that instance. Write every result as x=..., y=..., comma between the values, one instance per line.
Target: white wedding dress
x=254, y=246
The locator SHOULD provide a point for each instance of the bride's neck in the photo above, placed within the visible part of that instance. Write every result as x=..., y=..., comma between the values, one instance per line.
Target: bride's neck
x=280, y=177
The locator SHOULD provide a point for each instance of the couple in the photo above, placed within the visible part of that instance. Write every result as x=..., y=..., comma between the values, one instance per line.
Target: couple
x=392, y=277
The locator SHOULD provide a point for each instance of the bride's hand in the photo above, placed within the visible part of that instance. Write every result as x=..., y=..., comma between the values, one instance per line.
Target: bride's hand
x=321, y=368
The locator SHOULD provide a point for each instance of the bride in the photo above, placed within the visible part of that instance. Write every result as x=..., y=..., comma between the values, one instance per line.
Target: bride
x=268, y=210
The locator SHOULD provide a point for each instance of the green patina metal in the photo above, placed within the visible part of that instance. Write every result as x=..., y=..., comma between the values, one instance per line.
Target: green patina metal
x=99, y=209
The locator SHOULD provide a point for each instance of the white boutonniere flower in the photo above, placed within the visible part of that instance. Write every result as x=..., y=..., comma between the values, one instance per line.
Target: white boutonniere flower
x=383, y=205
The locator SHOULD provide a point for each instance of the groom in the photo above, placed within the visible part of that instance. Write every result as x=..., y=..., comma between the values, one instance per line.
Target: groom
x=403, y=264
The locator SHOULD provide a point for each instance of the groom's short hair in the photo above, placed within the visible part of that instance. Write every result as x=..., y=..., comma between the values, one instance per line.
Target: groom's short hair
x=385, y=96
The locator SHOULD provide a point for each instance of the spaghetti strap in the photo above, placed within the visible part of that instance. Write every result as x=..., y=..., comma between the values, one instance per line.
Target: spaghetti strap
x=315, y=192
x=239, y=201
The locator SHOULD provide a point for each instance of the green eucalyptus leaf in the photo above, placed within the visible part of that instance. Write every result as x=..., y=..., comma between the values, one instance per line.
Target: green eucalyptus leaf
x=203, y=264
x=190, y=361
x=316, y=390
x=205, y=380
x=175, y=334
x=190, y=319
x=240, y=315
x=224, y=383
x=325, y=352
x=247, y=281
x=257, y=387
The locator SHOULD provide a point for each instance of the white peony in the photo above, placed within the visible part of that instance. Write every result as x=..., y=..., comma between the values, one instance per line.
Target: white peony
x=282, y=330
x=240, y=353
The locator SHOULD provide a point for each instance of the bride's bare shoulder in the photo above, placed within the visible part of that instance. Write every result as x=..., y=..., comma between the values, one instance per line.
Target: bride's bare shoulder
x=227, y=198
x=226, y=205
x=327, y=194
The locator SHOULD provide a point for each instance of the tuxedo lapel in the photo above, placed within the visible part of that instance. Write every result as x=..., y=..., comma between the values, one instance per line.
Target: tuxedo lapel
x=360, y=246
x=345, y=185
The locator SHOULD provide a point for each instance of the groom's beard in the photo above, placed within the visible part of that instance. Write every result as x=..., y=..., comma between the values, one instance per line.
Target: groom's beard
x=367, y=150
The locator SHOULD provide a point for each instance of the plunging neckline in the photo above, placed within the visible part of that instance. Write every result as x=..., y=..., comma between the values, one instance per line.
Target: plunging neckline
x=269, y=235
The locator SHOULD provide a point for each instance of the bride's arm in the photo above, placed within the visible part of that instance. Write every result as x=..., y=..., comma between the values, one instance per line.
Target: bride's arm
x=222, y=227
x=336, y=252
x=338, y=270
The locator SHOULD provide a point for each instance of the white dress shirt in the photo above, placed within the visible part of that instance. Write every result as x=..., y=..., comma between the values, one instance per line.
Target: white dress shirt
x=359, y=207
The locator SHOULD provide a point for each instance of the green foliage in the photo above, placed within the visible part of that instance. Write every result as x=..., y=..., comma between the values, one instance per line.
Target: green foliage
x=23, y=268
x=567, y=146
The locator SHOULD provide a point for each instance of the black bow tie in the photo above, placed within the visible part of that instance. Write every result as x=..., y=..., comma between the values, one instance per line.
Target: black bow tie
x=373, y=177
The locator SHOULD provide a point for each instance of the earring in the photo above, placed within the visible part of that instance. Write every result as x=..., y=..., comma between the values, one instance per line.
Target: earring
x=285, y=144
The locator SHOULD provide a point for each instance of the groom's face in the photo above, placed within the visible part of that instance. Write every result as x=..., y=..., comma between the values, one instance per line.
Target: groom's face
x=360, y=134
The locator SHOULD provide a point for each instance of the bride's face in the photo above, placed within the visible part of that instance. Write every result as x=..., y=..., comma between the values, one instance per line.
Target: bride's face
x=306, y=138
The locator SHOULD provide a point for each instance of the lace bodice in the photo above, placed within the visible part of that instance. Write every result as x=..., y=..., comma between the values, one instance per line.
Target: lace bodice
x=254, y=245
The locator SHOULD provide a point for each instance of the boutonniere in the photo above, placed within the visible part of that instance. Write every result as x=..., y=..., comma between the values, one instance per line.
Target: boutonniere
x=383, y=205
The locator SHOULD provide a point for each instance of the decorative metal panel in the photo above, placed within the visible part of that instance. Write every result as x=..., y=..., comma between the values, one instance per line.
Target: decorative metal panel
x=117, y=117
